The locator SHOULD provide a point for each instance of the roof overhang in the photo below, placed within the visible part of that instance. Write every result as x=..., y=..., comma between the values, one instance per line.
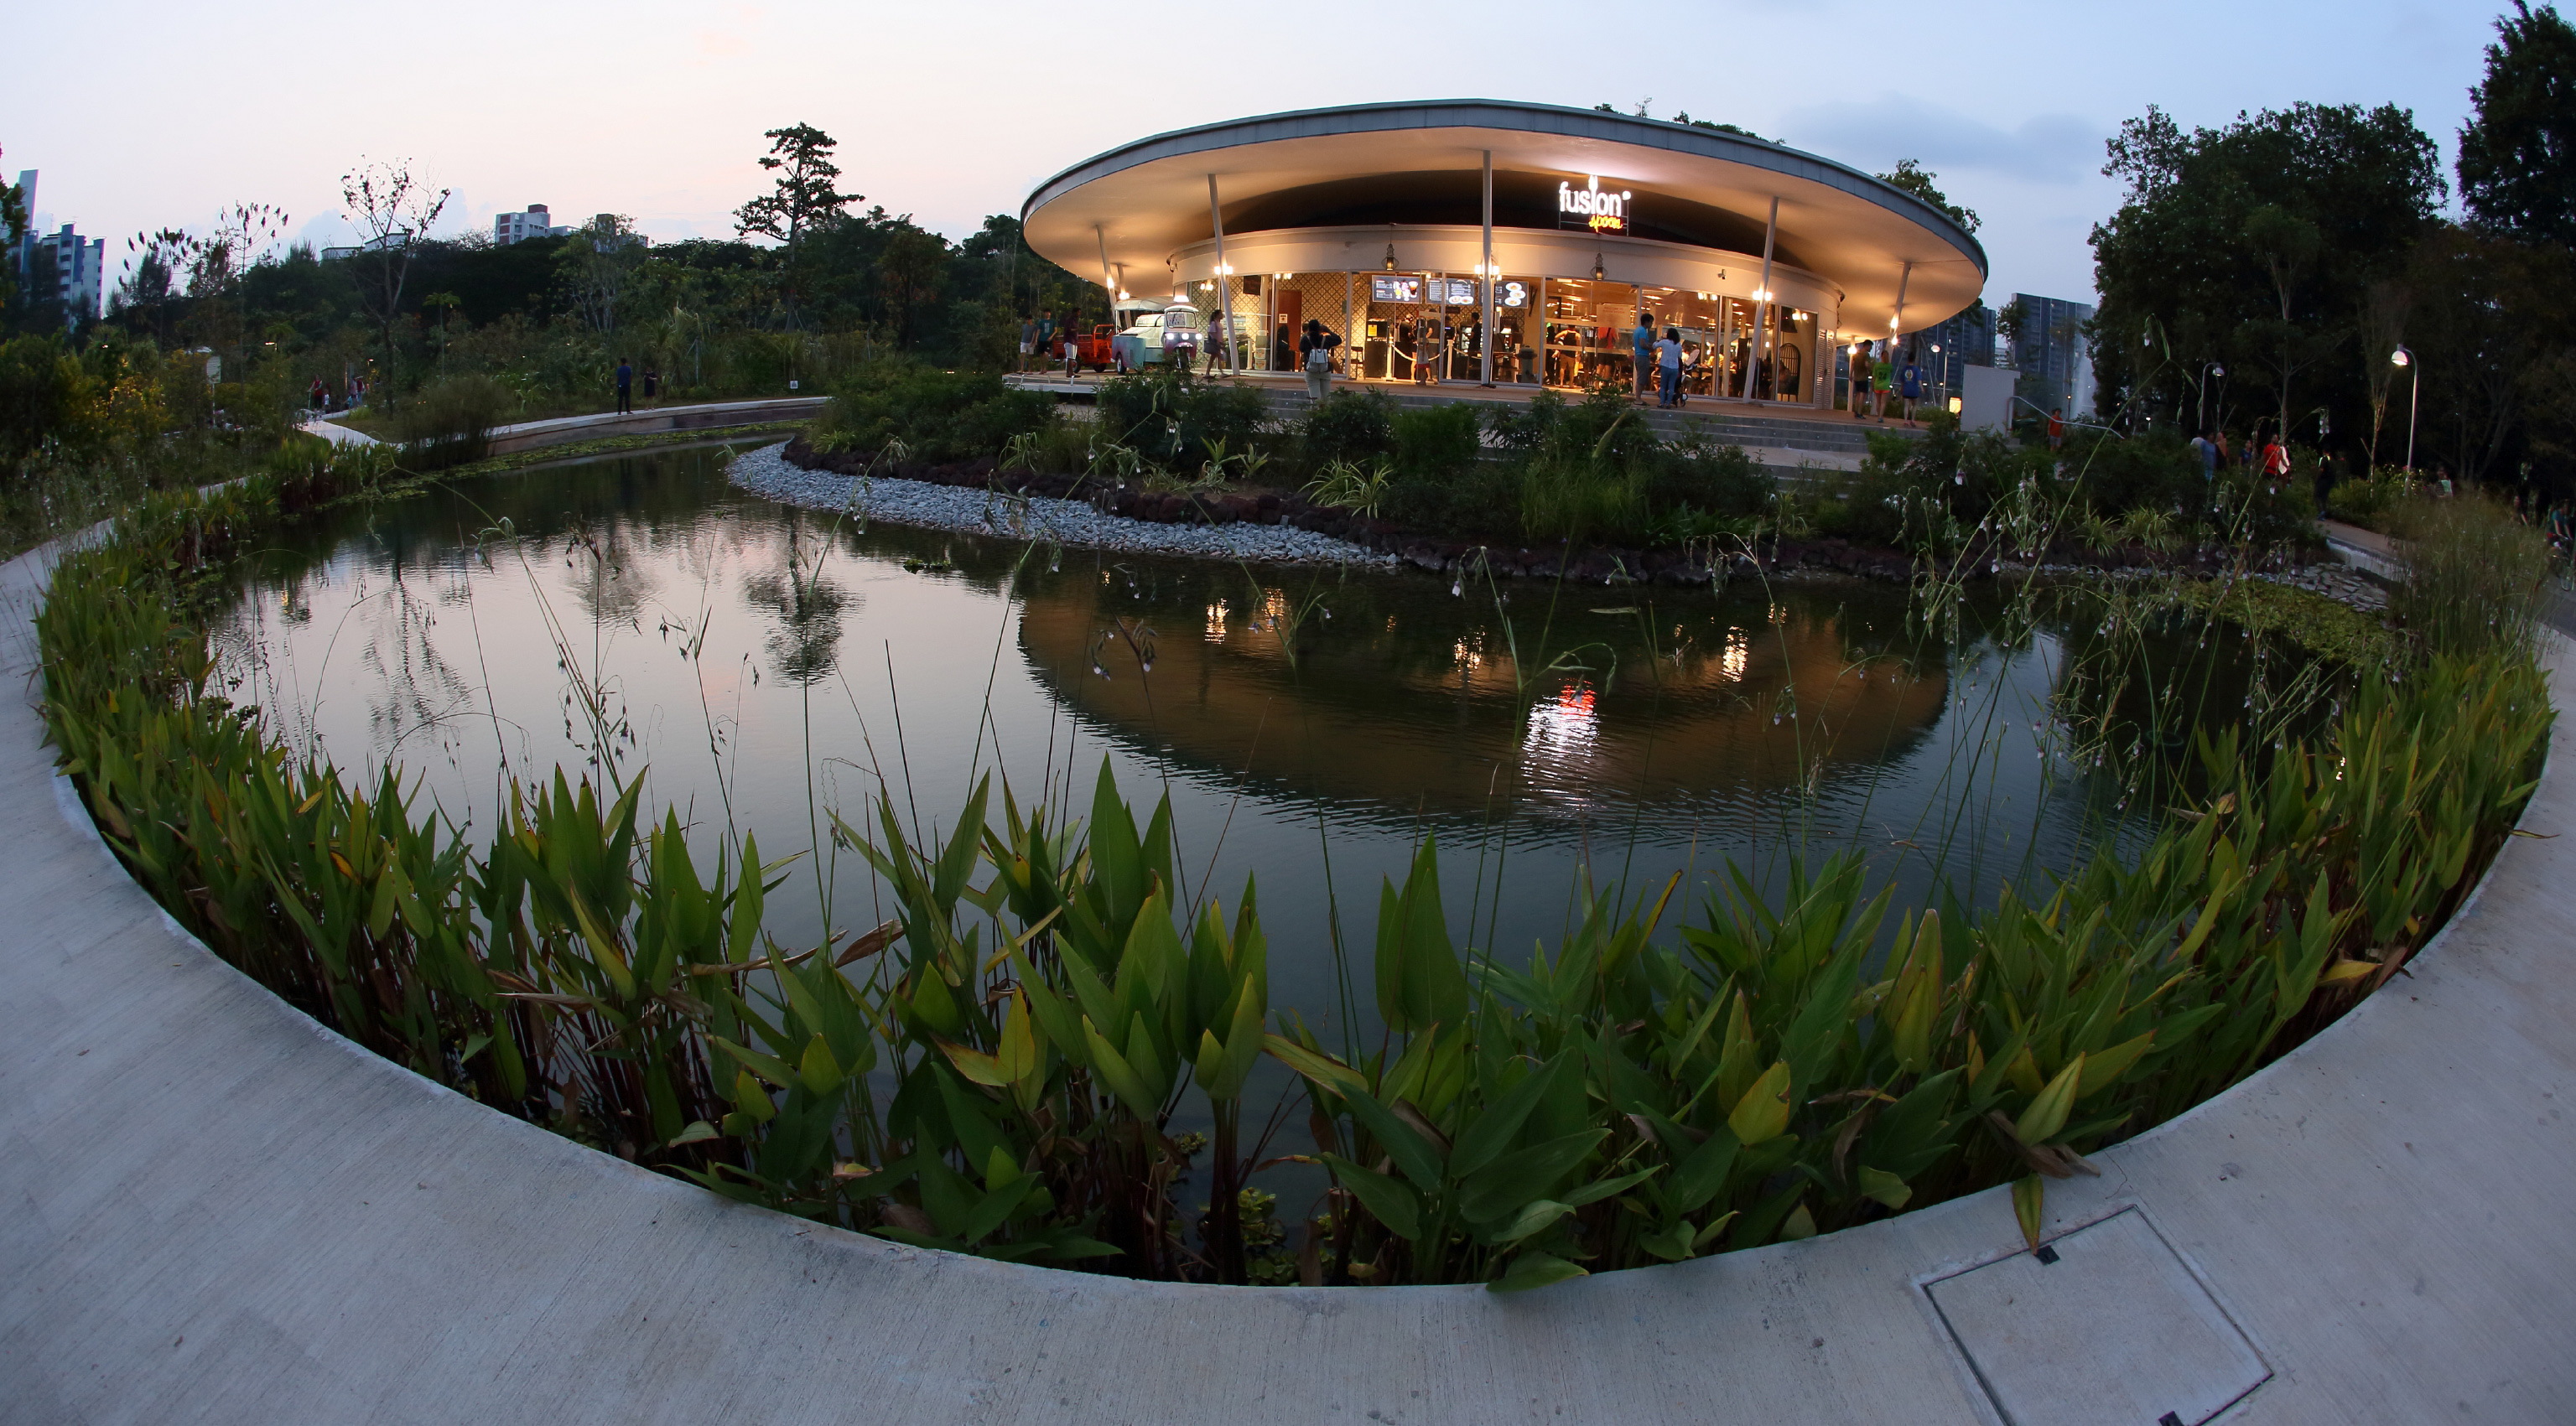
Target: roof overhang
x=1143, y=203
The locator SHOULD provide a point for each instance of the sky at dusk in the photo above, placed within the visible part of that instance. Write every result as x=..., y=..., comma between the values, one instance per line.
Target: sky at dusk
x=151, y=114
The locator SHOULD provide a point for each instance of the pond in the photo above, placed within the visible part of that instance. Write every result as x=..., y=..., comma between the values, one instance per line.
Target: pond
x=761, y=667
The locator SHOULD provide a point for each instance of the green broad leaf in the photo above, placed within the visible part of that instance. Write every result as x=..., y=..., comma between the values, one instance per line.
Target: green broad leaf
x=1072, y=1246
x=1886, y=1187
x=818, y=1071
x=1499, y=1189
x=2047, y=1112
x=1800, y=1224
x=1327, y=1074
x=1670, y=1244
x=1412, y=1153
x=1389, y=1201
x=1703, y=1173
x=2103, y=1068
x=1600, y=1189
x=698, y=1132
x=2029, y=1197
x=1057, y=1020
x=768, y=1067
x=1708, y=1235
x=1532, y=1219
x=1763, y=1112
x=996, y=1208
x=1123, y=1081
x=1532, y=1270
x=976, y=1065
x=1484, y=1140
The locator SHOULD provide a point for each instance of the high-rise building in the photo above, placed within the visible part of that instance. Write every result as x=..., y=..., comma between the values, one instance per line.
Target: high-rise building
x=73, y=266
x=508, y=228
x=2050, y=351
x=1946, y=349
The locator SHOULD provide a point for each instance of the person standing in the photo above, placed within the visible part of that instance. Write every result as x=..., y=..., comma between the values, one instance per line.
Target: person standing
x=2276, y=463
x=652, y=384
x=319, y=397
x=2057, y=429
x=1028, y=340
x=1882, y=376
x=1645, y=344
x=625, y=387
x=1858, y=400
x=1315, y=354
x=2205, y=451
x=1668, y=369
x=1909, y=387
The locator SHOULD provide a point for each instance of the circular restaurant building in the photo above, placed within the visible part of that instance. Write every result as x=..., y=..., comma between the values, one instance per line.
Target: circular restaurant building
x=1412, y=230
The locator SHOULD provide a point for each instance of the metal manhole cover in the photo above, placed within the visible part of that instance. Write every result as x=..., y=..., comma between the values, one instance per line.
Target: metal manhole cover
x=2105, y=1324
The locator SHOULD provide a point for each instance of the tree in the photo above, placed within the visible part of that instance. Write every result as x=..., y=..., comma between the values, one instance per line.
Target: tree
x=2190, y=276
x=391, y=210
x=13, y=227
x=909, y=267
x=804, y=199
x=599, y=263
x=2518, y=149
x=1913, y=178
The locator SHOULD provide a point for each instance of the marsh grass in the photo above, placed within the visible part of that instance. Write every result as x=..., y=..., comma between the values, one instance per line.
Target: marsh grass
x=999, y=1064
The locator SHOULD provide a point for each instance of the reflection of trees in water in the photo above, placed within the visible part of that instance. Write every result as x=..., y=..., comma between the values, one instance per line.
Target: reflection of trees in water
x=804, y=645
x=610, y=586
x=415, y=687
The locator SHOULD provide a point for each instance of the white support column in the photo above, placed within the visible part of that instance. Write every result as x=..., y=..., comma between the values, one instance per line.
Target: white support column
x=1762, y=329
x=1108, y=282
x=1485, y=280
x=1896, y=323
x=1224, y=284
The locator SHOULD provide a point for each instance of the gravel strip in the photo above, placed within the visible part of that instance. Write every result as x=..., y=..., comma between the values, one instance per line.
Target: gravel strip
x=767, y=473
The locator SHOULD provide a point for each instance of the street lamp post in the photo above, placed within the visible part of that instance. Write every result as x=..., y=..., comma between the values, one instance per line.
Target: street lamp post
x=2405, y=357
x=2200, y=403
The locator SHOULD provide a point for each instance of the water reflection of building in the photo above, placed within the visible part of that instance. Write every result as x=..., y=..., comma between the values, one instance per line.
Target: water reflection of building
x=1426, y=709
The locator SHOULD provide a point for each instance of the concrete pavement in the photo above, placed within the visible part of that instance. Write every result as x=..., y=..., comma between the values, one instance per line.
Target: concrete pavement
x=219, y=1212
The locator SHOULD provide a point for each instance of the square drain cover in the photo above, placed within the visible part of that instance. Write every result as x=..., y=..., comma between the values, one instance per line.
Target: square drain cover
x=2105, y=1324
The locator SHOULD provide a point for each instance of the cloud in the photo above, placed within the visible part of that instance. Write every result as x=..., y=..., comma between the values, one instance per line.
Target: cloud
x=2056, y=149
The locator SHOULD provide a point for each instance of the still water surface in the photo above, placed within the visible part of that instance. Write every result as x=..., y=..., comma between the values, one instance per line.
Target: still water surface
x=760, y=667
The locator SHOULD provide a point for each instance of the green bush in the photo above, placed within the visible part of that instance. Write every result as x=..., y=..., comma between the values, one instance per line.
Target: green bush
x=2473, y=575
x=1356, y=426
x=44, y=395
x=938, y=416
x=449, y=423
x=1171, y=419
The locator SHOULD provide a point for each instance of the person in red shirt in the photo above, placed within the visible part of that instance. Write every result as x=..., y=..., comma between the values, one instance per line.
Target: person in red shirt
x=2276, y=463
x=2057, y=428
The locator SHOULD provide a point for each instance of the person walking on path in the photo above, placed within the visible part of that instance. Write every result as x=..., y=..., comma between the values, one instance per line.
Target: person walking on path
x=1668, y=369
x=1645, y=344
x=320, y=396
x=1858, y=400
x=1881, y=377
x=1909, y=387
x=2057, y=429
x=2205, y=451
x=1315, y=354
x=625, y=387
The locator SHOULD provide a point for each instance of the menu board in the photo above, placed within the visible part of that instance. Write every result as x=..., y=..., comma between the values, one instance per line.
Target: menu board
x=1394, y=287
x=1463, y=293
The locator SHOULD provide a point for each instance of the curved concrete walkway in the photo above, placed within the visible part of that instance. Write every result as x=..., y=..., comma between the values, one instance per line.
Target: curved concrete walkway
x=216, y=1211
x=563, y=430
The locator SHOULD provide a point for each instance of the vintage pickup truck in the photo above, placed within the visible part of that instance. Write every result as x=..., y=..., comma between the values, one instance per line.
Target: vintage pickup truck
x=1153, y=337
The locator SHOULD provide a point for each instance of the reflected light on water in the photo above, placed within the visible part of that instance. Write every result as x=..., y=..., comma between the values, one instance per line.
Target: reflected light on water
x=1564, y=727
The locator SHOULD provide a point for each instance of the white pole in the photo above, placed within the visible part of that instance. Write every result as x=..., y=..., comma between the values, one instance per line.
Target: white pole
x=1485, y=342
x=1762, y=316
x=1224, y=284
x=1109, y=284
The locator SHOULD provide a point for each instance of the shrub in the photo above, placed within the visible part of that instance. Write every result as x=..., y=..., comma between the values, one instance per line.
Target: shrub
x=1172, y=419
x=939, y=416
x=43, y=393
x=1709, y=476
x=1356, y=426
x=449, y=423
x=2473, y=574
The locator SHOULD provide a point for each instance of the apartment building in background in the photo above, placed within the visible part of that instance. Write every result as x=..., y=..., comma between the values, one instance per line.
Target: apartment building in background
x=2050, y=351
x=534, y=222
x=71, y=266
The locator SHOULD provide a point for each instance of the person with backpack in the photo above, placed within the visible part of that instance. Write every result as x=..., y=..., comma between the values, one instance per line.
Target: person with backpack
x=1315, y=355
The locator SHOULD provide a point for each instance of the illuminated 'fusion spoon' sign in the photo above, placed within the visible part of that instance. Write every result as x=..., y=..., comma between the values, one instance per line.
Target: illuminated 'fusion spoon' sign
x=1591, y=207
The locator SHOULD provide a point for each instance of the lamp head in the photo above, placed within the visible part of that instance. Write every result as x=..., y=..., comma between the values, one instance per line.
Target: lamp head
x=2401, y=357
